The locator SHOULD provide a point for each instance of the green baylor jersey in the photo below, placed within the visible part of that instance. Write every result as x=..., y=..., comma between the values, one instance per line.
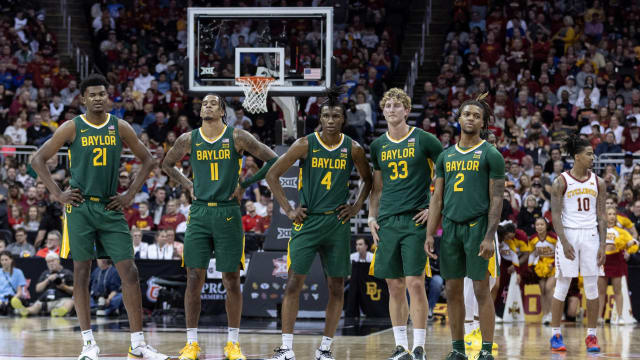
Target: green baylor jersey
x=94, y=157
x=466, y=176
x=216, y=165
x=324, y=175
x=407, y=169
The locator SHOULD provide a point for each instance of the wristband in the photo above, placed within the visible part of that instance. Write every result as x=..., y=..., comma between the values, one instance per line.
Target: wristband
x=370, y=219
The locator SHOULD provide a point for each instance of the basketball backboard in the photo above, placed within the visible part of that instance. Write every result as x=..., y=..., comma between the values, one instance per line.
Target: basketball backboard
x=292, y=45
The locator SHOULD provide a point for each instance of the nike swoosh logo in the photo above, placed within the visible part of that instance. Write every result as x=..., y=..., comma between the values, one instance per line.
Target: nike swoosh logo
x=450, y=155
x=418, y=224
x=229, y=219
x=474, y=224
x=84, y=130
x=198, y=144
x=468, y=343
x=316, y=150
x=385, y=145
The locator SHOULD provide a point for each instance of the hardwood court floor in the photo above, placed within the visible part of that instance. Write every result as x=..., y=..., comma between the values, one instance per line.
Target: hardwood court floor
x=46, y=338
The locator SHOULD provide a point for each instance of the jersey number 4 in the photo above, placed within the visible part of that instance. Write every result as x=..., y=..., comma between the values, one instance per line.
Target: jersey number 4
x=326, y=180
x=583, y=204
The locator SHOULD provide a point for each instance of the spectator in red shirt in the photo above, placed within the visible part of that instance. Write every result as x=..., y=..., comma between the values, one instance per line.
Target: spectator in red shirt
x=513, y=153
x=52, y=244
x=123, y=182
x=632, y=143
x=15, y=216
x=251, y=219
x=172, y=217
x=265, y=221
x=30, y=200
x=142, y=220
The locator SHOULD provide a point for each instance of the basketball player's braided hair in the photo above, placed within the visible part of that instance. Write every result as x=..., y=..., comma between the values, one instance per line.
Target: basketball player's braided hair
x=575, y=145
x=333, y=97
x=486, y=112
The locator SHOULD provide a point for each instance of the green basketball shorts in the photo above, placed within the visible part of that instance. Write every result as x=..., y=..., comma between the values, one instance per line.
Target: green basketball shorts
x=90, y=231
x=214, y=227
x=459, y=249
x=400, y=250
x=326, y=235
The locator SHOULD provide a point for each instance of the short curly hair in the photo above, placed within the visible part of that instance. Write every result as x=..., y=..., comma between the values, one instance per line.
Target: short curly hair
x=397, y=94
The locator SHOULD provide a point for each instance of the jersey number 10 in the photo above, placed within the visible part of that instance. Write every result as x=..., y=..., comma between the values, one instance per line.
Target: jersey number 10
x=583, y=204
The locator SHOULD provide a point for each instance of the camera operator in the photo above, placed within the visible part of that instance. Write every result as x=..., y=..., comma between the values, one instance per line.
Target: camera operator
x=106, y=289
x=55, y=288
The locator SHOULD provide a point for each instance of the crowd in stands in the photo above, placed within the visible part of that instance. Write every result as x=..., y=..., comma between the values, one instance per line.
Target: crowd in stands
x=552, y=70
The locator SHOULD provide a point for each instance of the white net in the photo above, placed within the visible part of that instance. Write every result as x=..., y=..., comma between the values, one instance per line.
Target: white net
x=255, y=92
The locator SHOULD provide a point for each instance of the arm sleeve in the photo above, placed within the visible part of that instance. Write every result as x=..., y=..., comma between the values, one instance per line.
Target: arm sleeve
x=374, y=156
x=496, y=164
x=430, y=145
x=260, y=174
x=440, y=166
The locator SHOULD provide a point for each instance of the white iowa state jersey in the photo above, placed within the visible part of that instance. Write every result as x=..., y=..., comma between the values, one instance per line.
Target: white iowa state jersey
x=579, y=207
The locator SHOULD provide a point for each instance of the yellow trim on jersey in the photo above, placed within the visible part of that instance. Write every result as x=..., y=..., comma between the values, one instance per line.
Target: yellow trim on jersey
x=84, y=118
x=64, y=248
x=329, y=148
x=288, y=254
x=300, y=179
x=493, y=261
x=240, y=167
x=401, y=139
x=373, y=261
x=242, y=258
x=469, y=149
x=211, y=141
x=427, y=268
x=432, y=167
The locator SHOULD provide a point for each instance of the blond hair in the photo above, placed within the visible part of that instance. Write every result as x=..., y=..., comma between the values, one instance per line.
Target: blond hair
x=396, y=94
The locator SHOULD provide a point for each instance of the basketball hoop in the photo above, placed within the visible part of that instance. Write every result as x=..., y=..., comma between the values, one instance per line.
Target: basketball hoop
x=255, y=92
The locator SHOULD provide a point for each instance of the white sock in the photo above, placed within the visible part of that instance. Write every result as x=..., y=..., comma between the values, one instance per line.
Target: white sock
x=232, y=335
x=287, y=341
x=591, y=331
x=469, y=327
x=326, y=343
x=192, y=335
x=400, y=334
x=418, y=338
x=137, y=339
x=87, y=337
x=555, y=331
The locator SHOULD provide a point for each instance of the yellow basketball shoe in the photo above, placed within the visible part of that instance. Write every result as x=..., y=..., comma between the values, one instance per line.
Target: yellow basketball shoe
x=190, y=352
x=473, y=340
x=232, y=351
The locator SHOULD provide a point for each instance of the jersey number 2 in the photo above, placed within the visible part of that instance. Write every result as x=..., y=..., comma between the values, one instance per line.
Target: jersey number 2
x=460, y=177
x=583, y=204
x=101, y=157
